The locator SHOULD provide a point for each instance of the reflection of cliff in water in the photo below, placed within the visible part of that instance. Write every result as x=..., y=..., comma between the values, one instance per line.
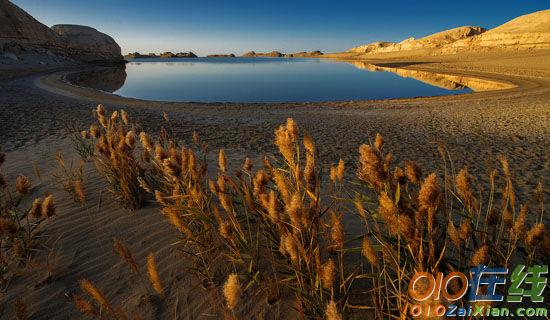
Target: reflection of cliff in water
x=445, y=81
x=105, y=79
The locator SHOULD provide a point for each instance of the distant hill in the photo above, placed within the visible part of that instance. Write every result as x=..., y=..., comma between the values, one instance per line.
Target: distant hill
x=436, y=40
x=530, y=31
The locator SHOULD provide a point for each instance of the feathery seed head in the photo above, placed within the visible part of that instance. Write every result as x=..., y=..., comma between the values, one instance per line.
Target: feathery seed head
x=413, y=172
x=130, y=139
x=36, y=208
x=22, y=184
x=96, y=294
x=369, y=252
x=332, y=311
x=125, y=254
x=48, y=207
x=337, y=232
x=124, y=117
x=378, y=142
x=328, y=271
x=146, y=141
x=222, y=161
x=536, y=235
x=480, y=256
x=371, y=169
x=454, y=234
x=232, y=291
x=463, y=185
x=84, y=306
x=292, y=128
x=153, y=274
x=308, y=144
x=428, y=196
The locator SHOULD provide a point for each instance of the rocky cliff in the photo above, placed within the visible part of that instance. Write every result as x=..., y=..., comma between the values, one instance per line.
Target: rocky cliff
x=24, y=38
x=531, y=31
x=19, y=30
x=87, y=44
x=436, y=40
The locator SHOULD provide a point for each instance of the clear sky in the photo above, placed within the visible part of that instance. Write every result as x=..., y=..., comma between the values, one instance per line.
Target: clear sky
x=209, y=26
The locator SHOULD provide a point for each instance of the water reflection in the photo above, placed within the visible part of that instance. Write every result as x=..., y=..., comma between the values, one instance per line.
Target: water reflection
x=444, y=81
x=272, y=80
x=105, y=79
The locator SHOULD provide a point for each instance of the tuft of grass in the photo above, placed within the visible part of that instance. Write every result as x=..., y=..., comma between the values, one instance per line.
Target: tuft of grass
x=19, y=225
x=278, y=230
x=70, y=178
x=116, y=157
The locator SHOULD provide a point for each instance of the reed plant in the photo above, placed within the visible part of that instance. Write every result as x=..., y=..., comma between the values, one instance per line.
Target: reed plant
x=80, y=139
x=116, y=157
x=19, y=223
x=70, y=178
x=277, y=230
x=418, y=223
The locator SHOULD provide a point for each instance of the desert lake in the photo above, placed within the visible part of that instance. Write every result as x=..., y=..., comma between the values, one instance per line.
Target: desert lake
x=268, y=80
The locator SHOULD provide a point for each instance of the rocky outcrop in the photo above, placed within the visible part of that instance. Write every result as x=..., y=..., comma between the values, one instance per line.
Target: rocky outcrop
x=18, y=27
x=137, y=55
x=436, y=40
x=178, y=55
x=221, y=56
x=23, y=36
x=304, y=54
x=89, y=45
x=186, y=55
x=167, y=55
x=277, y=54
x=272, y=54
x=249, y=54
x=531, y=31
x=371, y=47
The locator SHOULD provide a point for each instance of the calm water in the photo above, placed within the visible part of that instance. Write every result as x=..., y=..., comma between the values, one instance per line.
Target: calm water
x=265, y=80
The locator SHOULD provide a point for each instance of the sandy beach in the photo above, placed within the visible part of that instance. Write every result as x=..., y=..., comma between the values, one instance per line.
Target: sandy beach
x=35, y=108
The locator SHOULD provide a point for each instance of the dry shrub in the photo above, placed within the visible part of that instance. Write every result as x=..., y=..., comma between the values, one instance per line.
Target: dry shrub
x=269, y=223
x=99, y=305
x=70, y=178
x=279, y=227
x=81, y=141
x=418, y=224
x=18, y=226
x=116, y=157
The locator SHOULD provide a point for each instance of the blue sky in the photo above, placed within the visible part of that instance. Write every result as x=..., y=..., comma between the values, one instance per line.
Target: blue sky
x=208, y=26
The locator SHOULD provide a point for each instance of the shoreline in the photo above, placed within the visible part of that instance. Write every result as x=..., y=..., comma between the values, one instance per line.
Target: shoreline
x=57, y=83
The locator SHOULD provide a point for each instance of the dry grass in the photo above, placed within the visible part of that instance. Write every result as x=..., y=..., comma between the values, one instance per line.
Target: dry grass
x=70, y=178
x=18, y=226
x=116, y=158
x=276, y=231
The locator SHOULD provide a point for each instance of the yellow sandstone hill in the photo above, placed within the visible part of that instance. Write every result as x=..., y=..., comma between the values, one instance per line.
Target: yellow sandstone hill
x=530, y=31
x=436, y=40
